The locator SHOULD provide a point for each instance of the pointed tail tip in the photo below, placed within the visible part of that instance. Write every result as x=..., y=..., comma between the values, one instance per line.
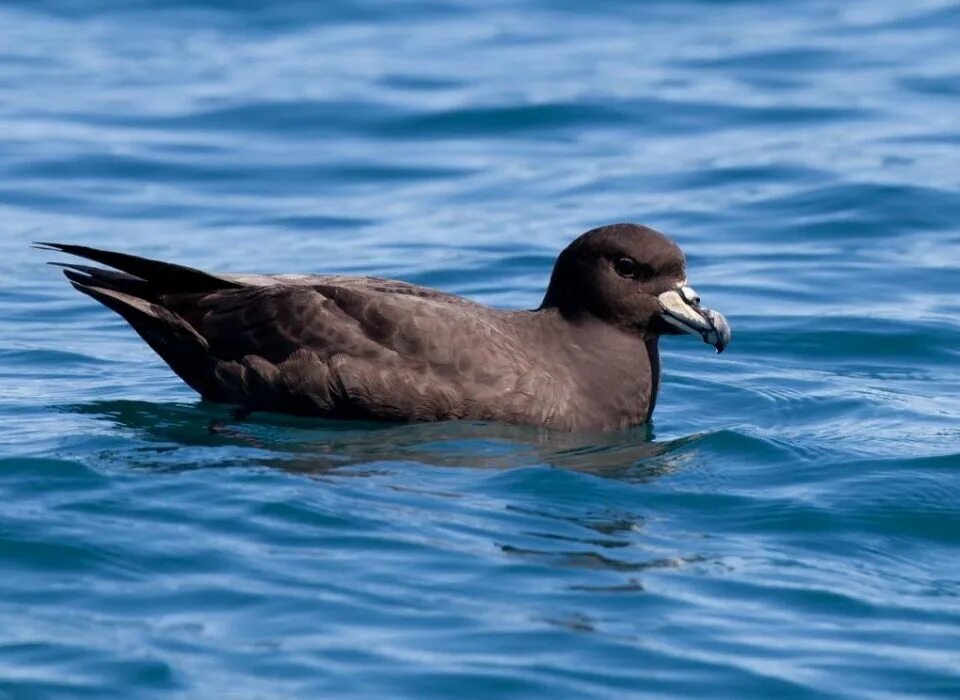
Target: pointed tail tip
x=113, y=299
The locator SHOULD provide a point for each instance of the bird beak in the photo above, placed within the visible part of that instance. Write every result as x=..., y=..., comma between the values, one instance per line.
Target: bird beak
x=681, y=308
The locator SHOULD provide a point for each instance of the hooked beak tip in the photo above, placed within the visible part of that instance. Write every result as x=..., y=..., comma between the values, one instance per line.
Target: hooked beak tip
x=719, y=329
x=681, y=308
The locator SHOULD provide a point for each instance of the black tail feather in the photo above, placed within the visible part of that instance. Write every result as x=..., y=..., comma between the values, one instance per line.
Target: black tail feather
x=170, y=336
x=161, y=277
x=137, y=289
x=108, y=279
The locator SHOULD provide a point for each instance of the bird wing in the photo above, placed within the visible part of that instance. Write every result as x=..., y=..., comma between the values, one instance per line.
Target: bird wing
x=368, y=283
x=329, y=345
x=358, y=351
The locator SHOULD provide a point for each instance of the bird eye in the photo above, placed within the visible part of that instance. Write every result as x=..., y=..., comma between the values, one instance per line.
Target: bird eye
x=626, y=267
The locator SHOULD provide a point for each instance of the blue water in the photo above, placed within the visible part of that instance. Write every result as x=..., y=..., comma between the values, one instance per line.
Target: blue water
x=789, y=526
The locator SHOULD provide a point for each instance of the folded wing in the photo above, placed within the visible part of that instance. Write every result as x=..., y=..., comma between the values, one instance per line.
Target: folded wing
x=332, y=346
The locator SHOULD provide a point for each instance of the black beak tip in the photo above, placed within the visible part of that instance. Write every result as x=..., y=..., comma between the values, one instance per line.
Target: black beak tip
x=719, y=329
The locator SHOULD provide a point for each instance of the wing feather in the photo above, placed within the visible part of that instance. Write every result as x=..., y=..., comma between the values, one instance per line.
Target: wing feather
x=359, y=352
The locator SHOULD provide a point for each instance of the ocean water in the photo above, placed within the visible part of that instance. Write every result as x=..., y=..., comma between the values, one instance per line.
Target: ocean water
x=789, y=526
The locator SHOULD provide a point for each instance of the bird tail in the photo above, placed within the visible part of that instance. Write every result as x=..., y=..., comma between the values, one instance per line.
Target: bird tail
x=141, y=277
x=135, y=294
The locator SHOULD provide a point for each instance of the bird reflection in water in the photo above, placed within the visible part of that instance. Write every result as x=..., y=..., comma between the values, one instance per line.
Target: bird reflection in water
x=546, y=531
x=322, y=446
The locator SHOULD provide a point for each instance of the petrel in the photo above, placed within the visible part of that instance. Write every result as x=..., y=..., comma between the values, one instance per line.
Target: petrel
x=587, y=359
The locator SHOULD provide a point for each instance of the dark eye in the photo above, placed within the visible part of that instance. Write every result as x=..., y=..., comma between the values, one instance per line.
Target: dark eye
x=626, y=267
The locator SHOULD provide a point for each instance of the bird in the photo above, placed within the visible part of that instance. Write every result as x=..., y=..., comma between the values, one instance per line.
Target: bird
x=368, y=348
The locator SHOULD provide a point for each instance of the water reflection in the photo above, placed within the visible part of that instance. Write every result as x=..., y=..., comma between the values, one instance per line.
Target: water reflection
x=320, y=446
x=604, y=548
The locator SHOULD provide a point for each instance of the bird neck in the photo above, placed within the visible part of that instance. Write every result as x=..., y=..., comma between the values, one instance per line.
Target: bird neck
x=620, y=370
x=563, y=292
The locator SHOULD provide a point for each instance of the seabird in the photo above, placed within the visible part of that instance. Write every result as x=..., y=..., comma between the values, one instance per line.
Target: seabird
x=587, y=359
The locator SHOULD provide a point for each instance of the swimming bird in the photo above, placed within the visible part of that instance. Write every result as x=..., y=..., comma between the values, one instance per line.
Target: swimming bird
x=587, y=359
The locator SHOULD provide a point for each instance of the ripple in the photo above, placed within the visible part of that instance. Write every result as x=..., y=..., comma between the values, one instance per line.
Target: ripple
x=880, y=210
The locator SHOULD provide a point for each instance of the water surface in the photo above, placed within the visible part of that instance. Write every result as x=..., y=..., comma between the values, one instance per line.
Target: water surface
x=788, y=526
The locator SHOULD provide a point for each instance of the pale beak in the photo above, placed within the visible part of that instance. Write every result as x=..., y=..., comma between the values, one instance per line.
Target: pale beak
x=681, y=308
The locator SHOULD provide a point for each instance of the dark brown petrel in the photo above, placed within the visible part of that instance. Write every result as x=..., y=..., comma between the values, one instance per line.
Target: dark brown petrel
x=365, y=347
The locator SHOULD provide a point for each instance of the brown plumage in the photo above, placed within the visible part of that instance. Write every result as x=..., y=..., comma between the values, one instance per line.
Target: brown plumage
x=364, y=347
